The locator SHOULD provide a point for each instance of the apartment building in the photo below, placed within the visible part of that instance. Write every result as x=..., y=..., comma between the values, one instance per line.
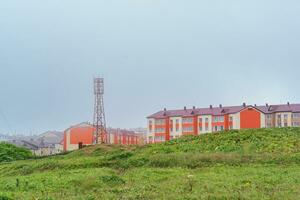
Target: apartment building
x=169, y=124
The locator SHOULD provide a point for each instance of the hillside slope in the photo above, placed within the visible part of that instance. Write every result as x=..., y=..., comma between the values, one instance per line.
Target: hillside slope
x=246, y=164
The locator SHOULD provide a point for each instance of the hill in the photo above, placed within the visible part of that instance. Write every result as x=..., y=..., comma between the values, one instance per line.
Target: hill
x=9, y=152
x=50, y=137
x=246, y=164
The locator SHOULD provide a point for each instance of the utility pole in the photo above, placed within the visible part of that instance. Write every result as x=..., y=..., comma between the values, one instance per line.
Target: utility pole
x=99, y=114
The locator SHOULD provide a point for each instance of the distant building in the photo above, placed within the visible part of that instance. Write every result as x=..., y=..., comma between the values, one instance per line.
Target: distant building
x=82, y=135
x=170, y=124
x=3, y=138
x=38, y=148
x=50, y=137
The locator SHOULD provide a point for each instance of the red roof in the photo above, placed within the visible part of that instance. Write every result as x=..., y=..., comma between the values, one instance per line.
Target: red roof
x=225, y=110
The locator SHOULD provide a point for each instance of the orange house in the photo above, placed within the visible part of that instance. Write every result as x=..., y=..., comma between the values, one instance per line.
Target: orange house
x=170, y=124
x=82, y=135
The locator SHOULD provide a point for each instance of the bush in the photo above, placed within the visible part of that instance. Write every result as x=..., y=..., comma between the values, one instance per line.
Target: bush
x=9, y=152
x=112, y=180
x=3, y=197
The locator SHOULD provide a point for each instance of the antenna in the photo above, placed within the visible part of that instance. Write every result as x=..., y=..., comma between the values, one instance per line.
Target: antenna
x=99, y=114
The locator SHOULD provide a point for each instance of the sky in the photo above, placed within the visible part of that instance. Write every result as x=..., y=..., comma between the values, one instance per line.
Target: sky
x=153, y=54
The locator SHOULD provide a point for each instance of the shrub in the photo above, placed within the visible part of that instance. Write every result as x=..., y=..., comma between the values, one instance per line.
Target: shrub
x=9, y=152
x=112, y=180
x=4, y=197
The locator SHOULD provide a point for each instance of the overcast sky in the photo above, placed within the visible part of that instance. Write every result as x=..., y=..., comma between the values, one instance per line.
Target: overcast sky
x=152, y=54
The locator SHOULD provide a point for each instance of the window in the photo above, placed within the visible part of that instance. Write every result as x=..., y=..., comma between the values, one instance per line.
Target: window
x=187, y=120
x=230, y=119
x=150, y=126
x=285, y=116
x=221, y=119
x=188, y=129
x=279, y=124
x=171, y=125
x=285, y=124
x=160, y=138
x=218, y=119
x=206, y=128
x=230, y=127
x=296, y=115
x=200, y=128
x=269, y=116
x=206, y=120
x=160, y=122
x=200, y=120
x=218, y=128
x=279, y=116
x=177, y=125
x=296, y=124
x=160, y=130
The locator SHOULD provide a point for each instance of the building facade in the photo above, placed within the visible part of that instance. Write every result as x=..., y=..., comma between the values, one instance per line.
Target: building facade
x=82, y=135
x=170, y=124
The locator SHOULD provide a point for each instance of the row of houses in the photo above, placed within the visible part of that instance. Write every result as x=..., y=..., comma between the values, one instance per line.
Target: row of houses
x=83, y=134
x=73, y=138
x=166, y=125
x=48, y=143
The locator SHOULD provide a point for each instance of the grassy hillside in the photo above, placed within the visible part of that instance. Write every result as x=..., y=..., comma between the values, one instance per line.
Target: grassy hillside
x=9, y=152
x=247, y=164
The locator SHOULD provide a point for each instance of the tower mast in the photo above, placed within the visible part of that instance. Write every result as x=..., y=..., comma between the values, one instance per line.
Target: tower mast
x=99, y=114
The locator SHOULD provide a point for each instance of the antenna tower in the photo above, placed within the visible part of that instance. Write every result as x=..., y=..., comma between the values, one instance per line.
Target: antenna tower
x=99, y=114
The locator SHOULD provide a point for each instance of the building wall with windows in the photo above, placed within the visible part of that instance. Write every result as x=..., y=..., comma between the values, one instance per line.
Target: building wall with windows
x=283, y=119
x=175, y=127
x=296, y=119
x=205, y=122
x=167, y=125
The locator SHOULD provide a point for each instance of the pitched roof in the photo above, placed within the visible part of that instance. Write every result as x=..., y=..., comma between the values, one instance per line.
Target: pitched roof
x=225, y=110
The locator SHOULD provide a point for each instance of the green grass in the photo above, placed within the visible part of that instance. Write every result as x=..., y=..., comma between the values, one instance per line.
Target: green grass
x=246, y=164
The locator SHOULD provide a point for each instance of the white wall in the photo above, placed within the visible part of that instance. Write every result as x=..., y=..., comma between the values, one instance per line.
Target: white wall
x=175, y=133
x=203, y=124
x=150, y=133
x=262, y=120
x=236, y=118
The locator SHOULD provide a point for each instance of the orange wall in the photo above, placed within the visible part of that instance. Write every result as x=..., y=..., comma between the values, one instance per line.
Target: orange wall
x=167, y=129
x=196, y=125
x=250, y=118
x=82, y=134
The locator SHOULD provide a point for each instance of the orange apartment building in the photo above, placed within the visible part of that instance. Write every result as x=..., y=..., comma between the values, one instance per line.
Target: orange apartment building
x=83, y=135
x=169, y=124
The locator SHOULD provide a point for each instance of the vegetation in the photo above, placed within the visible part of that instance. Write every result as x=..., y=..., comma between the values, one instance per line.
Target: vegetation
x=246, y=164
x=9, y=152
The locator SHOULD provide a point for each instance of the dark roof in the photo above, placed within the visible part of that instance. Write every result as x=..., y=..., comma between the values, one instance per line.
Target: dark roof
x=225, y=110
x=114, y=131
